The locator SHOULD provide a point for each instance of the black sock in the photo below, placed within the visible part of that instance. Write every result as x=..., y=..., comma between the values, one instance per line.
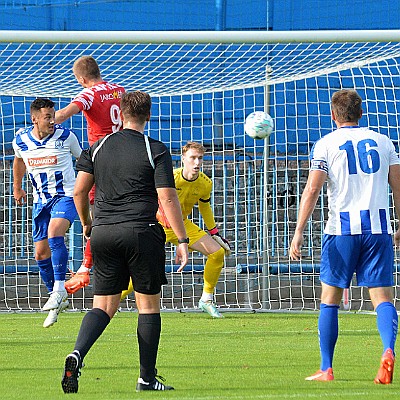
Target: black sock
x=92, y=326
x=148, y=333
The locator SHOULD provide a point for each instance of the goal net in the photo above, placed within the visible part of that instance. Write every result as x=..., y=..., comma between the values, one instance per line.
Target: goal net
x=203, y=85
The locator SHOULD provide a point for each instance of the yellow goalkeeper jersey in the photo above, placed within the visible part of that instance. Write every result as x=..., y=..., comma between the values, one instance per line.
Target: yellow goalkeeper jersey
x=195, y=192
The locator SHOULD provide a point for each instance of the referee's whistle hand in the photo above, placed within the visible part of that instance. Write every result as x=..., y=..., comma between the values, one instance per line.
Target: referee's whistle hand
x=182, y=256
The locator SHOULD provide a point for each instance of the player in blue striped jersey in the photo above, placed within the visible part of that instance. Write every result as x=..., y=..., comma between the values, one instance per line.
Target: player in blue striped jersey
x=358, y=164
x=45, y=151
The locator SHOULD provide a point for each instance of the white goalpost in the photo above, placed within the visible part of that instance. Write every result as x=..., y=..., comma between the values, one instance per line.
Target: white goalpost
x=203, y=85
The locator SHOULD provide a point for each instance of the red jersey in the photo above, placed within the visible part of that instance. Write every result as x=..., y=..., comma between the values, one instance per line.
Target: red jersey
x=100, y=106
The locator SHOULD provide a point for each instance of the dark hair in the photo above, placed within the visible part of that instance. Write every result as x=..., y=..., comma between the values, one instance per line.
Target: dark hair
x=136, y=105
x=346, y=105
x=40, y=103
x=87, y=67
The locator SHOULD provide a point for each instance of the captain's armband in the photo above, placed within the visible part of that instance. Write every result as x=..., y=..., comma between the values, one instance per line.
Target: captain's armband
x=319, y=165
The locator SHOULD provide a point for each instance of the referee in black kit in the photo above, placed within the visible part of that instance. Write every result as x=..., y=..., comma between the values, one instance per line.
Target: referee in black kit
x=132, y=172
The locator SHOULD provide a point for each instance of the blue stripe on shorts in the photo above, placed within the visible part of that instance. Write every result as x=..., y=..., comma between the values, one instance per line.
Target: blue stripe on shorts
x=370, y=256
x=57, y=207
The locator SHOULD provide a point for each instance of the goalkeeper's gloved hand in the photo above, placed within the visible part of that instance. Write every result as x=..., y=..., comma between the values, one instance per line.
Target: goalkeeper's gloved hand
x=220, y=240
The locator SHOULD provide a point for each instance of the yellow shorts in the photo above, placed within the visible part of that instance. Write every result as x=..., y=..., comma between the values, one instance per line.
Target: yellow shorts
x=193, y=232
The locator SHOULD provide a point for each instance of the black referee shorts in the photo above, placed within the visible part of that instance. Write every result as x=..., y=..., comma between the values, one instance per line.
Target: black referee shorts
x=127, y=250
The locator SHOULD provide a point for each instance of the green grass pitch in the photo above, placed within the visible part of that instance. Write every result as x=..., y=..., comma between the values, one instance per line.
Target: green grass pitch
x=243, y=356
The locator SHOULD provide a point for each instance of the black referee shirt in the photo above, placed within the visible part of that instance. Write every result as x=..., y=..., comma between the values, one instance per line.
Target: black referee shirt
x=125, y=180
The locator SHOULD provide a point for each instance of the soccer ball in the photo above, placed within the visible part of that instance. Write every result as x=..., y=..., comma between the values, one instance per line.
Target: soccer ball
x=259, y=125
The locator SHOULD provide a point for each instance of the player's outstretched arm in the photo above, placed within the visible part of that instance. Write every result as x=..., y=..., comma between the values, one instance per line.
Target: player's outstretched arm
x=66, y=112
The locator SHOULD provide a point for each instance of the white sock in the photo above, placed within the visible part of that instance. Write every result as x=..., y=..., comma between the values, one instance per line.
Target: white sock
x=83, y=269
x=206, y=297
x=59, y=286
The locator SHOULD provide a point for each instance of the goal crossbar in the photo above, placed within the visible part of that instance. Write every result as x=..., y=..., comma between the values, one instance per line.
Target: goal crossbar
x=328, y=36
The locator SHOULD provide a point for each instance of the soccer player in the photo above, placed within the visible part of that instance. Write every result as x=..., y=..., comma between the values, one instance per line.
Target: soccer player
x=194, y=187
x=357, y=164
x=45, y=150
x=126, y=240
x=99, y=101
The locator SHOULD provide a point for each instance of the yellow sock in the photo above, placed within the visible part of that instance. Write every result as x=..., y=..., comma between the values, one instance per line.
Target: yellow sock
x=212, y=270
x=127, y=291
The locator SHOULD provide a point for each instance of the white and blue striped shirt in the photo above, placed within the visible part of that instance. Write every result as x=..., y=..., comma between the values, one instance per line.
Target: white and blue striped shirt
x=48, y=161
x=357, y=162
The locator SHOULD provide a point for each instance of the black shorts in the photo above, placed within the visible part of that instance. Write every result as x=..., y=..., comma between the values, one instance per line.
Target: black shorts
x=127, y=250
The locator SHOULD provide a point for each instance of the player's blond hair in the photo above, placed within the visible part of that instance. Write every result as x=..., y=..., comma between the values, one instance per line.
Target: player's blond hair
x=193, y=145
x=87, y=67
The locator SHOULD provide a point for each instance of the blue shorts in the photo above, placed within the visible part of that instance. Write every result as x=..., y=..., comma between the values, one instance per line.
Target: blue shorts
x=371, y=257
x=57, y=207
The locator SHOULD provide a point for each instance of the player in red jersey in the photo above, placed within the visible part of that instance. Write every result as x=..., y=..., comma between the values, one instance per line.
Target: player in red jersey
x=99, y=101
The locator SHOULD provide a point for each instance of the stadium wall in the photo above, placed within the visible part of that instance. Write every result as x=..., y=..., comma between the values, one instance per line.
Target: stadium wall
x=199, y=15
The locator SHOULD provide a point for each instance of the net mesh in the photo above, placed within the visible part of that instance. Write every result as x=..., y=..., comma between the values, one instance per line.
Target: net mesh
x=203, y=92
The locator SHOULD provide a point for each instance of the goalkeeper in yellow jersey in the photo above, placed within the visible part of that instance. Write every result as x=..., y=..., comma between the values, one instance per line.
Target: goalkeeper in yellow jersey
x=194, y=187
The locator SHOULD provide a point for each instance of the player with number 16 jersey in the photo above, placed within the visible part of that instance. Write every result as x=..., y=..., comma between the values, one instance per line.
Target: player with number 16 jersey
x=357, y=161
x=358, y=165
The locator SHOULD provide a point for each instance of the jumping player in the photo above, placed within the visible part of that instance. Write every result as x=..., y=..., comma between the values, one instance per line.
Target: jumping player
x=45, y=150
x=100, y=103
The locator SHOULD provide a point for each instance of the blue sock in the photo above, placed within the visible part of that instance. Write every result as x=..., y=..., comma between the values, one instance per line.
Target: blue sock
x=59, y=257
x=46, y=273
x=387, y=322
x=328, y=329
